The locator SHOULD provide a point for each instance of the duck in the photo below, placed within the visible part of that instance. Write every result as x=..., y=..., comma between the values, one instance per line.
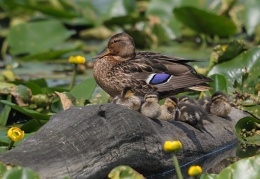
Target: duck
x=169, y=110
x=150, y=107
x=119, y=65
x=128, y=99
x=219, y=104
x=194, y=115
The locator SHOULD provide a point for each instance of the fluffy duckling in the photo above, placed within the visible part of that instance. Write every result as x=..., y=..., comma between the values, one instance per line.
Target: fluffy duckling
x=169, y=110
x=188, y=100
x=150, y=107
x=194, y=115
x=128, y=99
x=219, y=104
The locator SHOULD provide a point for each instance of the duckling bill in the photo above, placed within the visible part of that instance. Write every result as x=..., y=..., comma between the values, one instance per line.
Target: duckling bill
x=119, y=65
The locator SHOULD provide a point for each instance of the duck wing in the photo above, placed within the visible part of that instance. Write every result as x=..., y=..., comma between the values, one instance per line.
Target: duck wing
x=169, y=75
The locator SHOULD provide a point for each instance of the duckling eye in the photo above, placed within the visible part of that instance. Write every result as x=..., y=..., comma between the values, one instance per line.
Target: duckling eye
x=114, y=41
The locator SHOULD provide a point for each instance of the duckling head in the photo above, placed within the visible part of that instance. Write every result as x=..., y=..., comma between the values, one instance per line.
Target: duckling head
x=127, y=93
x=219, y=97
x=151, y=97
x=121, y=46
x=184, y=99
x=171, y=102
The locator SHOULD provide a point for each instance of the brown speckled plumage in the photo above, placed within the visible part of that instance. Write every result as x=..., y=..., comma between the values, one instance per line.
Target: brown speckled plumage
x=169, y=110
x=119, y=66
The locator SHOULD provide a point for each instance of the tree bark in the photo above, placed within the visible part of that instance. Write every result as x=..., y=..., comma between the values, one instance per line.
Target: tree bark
x=87, y=142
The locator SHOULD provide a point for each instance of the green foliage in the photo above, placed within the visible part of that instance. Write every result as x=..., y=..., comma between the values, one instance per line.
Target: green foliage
x=238, y=169
x=212, y=25
x=124, y=172
x=219, y=83
x=248, y=130
x=31, y=37
x=17, y=172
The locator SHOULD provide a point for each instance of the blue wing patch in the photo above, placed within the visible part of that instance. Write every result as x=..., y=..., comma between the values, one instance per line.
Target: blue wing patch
x=155, y=79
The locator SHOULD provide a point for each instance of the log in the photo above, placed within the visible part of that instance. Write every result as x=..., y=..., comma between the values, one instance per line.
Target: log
x=87, y=142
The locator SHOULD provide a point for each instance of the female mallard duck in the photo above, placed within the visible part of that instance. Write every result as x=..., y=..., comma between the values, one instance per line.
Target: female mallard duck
x=128, y=99
x=119, y=66
x=219, y=104
x=151, y=108
x=169, y=110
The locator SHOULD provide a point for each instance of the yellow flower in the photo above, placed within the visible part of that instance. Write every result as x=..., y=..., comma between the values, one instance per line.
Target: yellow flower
x=77, y=59
x=195, y=170
x=224, y=47
x=15, y=134
x=172, y=146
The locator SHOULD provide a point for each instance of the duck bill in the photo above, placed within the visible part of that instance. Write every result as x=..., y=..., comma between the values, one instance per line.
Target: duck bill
x=102, y=54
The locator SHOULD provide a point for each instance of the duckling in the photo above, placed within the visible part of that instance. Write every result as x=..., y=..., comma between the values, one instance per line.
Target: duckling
x=169, y=110
x=194, y=115
x=119, y=65
x=128, y=99
x=219, y=104
x=151, y=108
x=188, y=100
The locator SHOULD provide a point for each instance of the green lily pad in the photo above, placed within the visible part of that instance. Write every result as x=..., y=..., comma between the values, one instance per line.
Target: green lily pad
x=28, y=112
x=5, y=111
x=252, y=15
x=219, y=83
x=248, y=130
x=84, y=90
x=205, y=22
x=124, y=172
x=233, y=69
x=245, y=168
x=36, y=37
x=233, y=49
x=19, y=173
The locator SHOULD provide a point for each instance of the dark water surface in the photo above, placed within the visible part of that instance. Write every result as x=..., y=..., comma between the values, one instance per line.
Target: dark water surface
x=213, y=162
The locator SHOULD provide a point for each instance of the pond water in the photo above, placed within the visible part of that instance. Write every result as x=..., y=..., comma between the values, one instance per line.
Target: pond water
x=212, y=162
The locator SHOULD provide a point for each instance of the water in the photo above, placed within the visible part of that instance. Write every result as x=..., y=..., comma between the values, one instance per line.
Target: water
x=213, y=162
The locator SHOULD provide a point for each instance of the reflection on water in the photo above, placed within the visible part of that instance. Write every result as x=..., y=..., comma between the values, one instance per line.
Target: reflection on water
x=212, y=162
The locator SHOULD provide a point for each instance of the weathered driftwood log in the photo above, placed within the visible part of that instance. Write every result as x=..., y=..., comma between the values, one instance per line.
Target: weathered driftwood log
x=87, y=142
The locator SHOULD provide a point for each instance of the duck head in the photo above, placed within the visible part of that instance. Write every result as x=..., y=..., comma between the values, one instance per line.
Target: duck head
x=120, y=46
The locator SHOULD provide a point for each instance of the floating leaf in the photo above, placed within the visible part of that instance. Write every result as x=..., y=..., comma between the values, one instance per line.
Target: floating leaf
x=233, y=49
x=5, y=111
x=219, y=83
x=205, y=22
x=248, y=131
x=3, y=169
x=36, y=37
x=27, y=112
x=124, y=172
x=84, y=89
x=19, y=173
x=239, y=169
x=233, y=69
x=252, y=15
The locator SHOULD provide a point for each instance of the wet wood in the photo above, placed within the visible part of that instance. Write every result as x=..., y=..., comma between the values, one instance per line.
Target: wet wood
x=87, y=142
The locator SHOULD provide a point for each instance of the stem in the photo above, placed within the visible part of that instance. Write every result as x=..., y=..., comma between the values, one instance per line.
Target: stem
x=10, y=145
x=73, y=76
x=177, y=167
